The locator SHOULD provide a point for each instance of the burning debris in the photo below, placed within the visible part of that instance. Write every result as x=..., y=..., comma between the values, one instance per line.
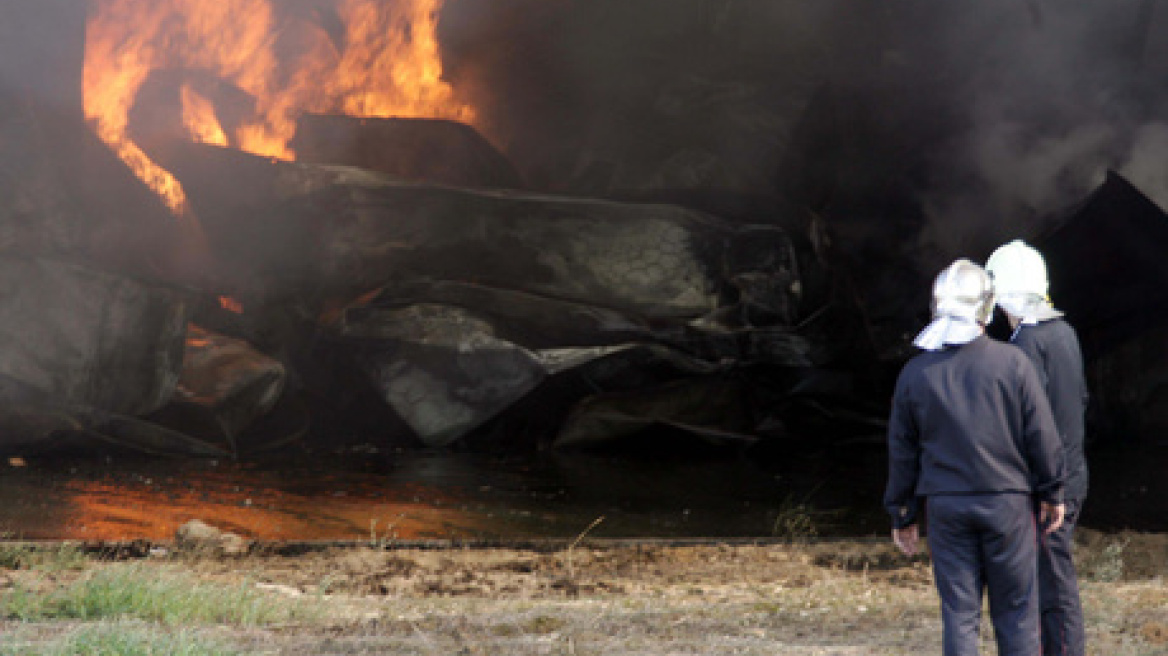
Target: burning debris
x=225, y=388
x=557, y=282
x=227, y=224
x=452, y=304
x=361, y=57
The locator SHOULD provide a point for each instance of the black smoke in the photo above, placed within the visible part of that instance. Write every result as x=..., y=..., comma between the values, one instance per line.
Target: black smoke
x=973, y=120
x=41, y=52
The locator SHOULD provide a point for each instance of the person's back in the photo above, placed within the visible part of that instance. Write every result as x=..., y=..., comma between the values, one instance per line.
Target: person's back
x=1053, y=347
x=973, y=406
x=1019, y=273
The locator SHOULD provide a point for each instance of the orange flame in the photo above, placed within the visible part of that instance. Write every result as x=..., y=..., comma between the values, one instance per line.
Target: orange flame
x=199, y=118
x=386, y=63
x=231, y=304
x=392, y=65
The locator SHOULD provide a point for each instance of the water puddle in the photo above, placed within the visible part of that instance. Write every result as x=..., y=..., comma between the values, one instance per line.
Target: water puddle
x=406, y=496
x=442, y=495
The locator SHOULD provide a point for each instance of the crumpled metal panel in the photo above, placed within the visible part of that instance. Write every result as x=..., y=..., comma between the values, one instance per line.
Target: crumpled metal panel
x=444, y=371
x=713, y=408
x=484, y=296
x=226, y=386
x=285, y=228
x=535, y=321
x=420, y=149
x=658, y=261
x=90, y=338
x=52, y=428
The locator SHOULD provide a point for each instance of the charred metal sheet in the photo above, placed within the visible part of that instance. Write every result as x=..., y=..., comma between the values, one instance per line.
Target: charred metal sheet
x=655, y=261
x=712, y=408
x=532, y=320
x=67, y=195
x=416, y=149
x=445, y=372
x=88, y=337
x=486, y=297
x=288, y=227
x=225, y=386
x=31, y=422
x=631, y=372
x=443, y=394
x=447, y=369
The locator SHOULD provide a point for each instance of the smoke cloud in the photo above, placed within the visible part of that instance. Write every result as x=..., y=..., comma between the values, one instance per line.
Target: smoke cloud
x=41, y=52
x=989, y=115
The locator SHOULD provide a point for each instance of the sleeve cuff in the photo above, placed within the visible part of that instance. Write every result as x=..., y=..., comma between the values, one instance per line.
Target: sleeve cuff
x=904, y=515
x=1053, y=498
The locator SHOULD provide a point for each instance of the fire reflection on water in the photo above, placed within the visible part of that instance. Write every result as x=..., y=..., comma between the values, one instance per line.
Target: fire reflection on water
x=405, y=496
x=448, y=496
x=78, y=505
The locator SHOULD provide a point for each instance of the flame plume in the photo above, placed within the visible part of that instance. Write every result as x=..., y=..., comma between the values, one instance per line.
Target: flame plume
x=200, y=120
x=385, y=63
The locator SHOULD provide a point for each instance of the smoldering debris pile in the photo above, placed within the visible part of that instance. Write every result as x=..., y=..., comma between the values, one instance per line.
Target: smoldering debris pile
x=330, y=298
x=738, y=254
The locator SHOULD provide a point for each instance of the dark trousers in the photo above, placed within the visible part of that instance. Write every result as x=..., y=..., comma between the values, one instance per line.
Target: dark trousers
x=986, y=542
x=1058, y=590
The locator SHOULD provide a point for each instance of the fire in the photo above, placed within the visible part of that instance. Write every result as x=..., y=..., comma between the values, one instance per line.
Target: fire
x=231, y=304
x=383, y=61
x=116, y=65
x=392, y=65
x=200, y=120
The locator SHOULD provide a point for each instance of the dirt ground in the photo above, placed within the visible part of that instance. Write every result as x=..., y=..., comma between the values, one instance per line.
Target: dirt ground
x=845, y=597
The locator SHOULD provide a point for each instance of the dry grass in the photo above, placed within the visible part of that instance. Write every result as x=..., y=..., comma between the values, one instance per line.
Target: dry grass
x=792, y=600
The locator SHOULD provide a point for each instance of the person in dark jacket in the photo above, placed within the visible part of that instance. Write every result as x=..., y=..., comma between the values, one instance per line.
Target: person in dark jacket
x=971, y=433
x=1020, y=282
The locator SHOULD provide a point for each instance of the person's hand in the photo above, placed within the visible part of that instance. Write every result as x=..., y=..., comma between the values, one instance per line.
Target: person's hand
x=907, y=539
x=1051, y=516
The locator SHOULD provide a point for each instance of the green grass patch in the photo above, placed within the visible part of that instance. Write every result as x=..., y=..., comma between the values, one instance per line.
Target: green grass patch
x=1107, y=565
x=144, y=593
x=544, y=624
x=118, y=639
x=795, y=521
x=56, y=558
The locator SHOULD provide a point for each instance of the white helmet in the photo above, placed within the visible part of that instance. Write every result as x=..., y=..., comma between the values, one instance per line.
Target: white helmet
x=963, y=300
x=1020, y=281
x=963, y=291
x=1018, y=269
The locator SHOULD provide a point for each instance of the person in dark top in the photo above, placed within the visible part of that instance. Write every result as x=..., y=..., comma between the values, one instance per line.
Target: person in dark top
x=1020, y=281
x=971, y=433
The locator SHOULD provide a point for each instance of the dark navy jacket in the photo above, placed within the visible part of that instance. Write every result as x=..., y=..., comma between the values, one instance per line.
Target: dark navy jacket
x=966, y=420
x=1053, y=347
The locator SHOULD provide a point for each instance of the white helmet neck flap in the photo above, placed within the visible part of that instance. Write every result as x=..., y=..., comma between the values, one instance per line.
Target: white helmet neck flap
x=963, y=299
